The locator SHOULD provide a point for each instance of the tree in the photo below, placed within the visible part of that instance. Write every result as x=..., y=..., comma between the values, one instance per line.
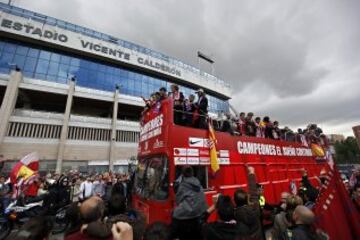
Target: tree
x=347, y=151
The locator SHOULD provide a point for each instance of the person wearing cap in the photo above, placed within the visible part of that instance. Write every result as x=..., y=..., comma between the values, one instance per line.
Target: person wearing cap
x=163, y=93
x=202, y=108
x=178, y=98
x=250, y=127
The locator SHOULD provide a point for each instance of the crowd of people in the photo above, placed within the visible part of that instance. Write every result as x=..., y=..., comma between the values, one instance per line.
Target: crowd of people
x=187, y=111
x=99, y=207
x=248, y=125
x=353, y=187
x=193, y=112
x=242, y=215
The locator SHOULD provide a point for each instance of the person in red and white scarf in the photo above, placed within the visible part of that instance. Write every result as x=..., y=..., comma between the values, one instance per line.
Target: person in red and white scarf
x=178, y=98
x=259, y=130
x=242, y=124
x=276, y=131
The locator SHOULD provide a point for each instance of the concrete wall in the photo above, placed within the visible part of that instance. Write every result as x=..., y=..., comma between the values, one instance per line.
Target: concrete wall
x=16, y=148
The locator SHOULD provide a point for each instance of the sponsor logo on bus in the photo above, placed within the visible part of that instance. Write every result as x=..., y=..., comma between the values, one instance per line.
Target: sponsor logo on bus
x=272, y=150
x=152, y=128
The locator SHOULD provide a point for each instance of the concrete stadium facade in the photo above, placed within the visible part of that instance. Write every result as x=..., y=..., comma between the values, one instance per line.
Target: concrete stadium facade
x=74, y=95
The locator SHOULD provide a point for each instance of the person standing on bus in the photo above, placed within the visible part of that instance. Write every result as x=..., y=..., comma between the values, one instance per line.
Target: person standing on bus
x=276, y=131
x=268, y=127
x=242, y=124
x=202, y=108
x=163, y=93
x=259, y=129
x=250, y=125
x=178, y=98
x=190, y=207
x=189, y=107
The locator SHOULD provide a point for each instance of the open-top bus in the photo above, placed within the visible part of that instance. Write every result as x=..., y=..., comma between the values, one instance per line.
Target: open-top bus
x=164, y=147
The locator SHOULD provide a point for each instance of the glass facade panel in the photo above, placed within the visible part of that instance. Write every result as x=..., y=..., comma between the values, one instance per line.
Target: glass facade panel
x=59, y=67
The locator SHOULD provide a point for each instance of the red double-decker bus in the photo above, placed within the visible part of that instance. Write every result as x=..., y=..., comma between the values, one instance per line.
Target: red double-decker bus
x=164, y=147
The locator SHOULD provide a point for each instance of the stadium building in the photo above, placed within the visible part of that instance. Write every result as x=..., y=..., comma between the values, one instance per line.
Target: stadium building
x=74, y=95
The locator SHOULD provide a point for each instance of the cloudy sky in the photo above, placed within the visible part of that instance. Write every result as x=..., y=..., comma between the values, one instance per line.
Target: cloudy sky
x=297, y=61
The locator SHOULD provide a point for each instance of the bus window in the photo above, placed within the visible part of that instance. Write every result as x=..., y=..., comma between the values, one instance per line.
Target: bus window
x=200, y=172
x=139, y=177
x=152, y=178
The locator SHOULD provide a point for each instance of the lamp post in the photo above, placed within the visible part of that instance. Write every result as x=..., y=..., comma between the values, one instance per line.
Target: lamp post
x=207, y=59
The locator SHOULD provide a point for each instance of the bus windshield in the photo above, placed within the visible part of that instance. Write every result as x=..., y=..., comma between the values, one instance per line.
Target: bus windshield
x=152, y=178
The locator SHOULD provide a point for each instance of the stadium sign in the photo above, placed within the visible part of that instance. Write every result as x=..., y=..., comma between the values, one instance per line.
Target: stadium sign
x=70, y=39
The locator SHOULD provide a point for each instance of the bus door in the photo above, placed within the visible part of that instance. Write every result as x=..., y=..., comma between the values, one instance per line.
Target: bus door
x=201, y=172
x=151, y=188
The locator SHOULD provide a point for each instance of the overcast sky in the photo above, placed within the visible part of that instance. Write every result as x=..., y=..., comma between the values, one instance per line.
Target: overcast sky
x=296, y=61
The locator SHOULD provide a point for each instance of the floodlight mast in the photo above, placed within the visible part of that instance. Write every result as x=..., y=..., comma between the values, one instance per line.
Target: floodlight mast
x=207, y=59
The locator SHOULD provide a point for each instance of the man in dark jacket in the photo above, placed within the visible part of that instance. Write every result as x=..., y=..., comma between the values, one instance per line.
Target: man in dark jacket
x=303, y=218
x=225, y=227
x=163, y=93
x=247, y=212
x=307, y=191
x=226, y=126
x=250, y=127
x=190, y=207
x=202, y=108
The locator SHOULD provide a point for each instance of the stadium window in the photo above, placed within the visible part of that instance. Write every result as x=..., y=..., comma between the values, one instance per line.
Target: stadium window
x=45, y=55
x=102, y=68
x=63, y=70
x=12, y=129
x=75, y=62
x=65, y=59
x=6, y=58
x=30, y=64
x=19, y=60
x=71, y=70
x=41, y=131
x=62, y=80
x=8, y=133
x=40, y=76
x=28, y=74
x=51, y=78
x=27, y=130
x=55, y=57
x=53, y=68
x=31, y=130
x=21, y=50
x=10, y=48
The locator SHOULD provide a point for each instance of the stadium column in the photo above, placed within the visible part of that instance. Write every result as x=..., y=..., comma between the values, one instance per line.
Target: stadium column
x=113, y=130
x=9, y=101
x=65, y=127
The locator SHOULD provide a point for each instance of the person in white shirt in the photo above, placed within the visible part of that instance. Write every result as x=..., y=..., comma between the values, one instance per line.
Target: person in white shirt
x=86, y=189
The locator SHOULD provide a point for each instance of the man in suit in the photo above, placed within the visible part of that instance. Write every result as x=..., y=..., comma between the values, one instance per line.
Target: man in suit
x=178, y=98
x=202, y=107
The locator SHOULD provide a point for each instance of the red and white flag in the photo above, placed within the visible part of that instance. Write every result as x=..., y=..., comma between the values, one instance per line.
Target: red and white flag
x=25, y=168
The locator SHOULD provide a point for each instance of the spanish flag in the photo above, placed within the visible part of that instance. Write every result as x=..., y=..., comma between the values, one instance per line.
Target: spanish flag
x=317, y=150
x=212, y=145
x=25, y=168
